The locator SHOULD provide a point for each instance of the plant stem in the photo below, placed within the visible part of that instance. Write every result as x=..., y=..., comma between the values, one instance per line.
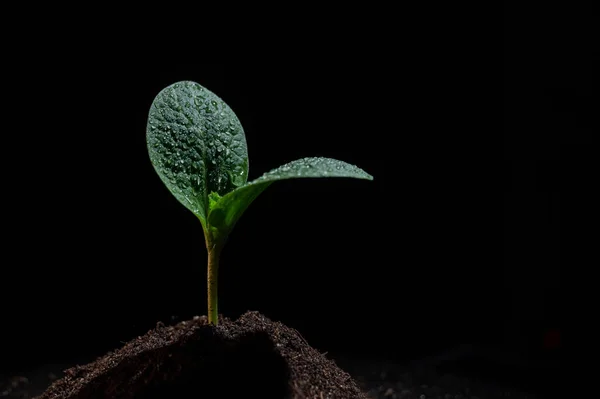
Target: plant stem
x=214, y=252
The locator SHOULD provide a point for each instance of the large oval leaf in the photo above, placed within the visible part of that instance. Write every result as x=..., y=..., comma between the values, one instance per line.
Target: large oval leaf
x=196, y=144
x=227, y=210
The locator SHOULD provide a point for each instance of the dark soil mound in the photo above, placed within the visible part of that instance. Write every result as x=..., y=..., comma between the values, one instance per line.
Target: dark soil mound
x=250, y=357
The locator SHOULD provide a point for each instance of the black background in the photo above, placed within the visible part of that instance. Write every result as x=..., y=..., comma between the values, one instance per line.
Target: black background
x=456, y=240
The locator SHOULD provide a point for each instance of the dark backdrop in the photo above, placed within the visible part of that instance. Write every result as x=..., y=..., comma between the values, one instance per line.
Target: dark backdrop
x=96, y=250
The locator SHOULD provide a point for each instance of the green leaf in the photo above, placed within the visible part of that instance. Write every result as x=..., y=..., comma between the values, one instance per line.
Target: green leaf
x=196, y=145
x=228, y=209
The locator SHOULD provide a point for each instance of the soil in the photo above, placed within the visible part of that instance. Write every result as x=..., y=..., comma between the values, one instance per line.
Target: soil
x=254, y=357
x=250, y=357
x=381, y=379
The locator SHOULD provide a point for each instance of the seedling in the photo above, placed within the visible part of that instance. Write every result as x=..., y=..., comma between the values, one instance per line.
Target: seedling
x=198, y=148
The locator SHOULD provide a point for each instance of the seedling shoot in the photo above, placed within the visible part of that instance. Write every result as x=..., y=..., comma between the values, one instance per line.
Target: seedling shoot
x=198, y=148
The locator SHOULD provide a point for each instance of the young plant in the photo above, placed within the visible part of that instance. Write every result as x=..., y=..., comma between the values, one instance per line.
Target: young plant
x=198, y=148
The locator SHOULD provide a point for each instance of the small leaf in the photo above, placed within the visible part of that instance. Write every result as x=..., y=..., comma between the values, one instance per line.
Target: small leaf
x=196, y=145
x=213, y=198
x=225, y=213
